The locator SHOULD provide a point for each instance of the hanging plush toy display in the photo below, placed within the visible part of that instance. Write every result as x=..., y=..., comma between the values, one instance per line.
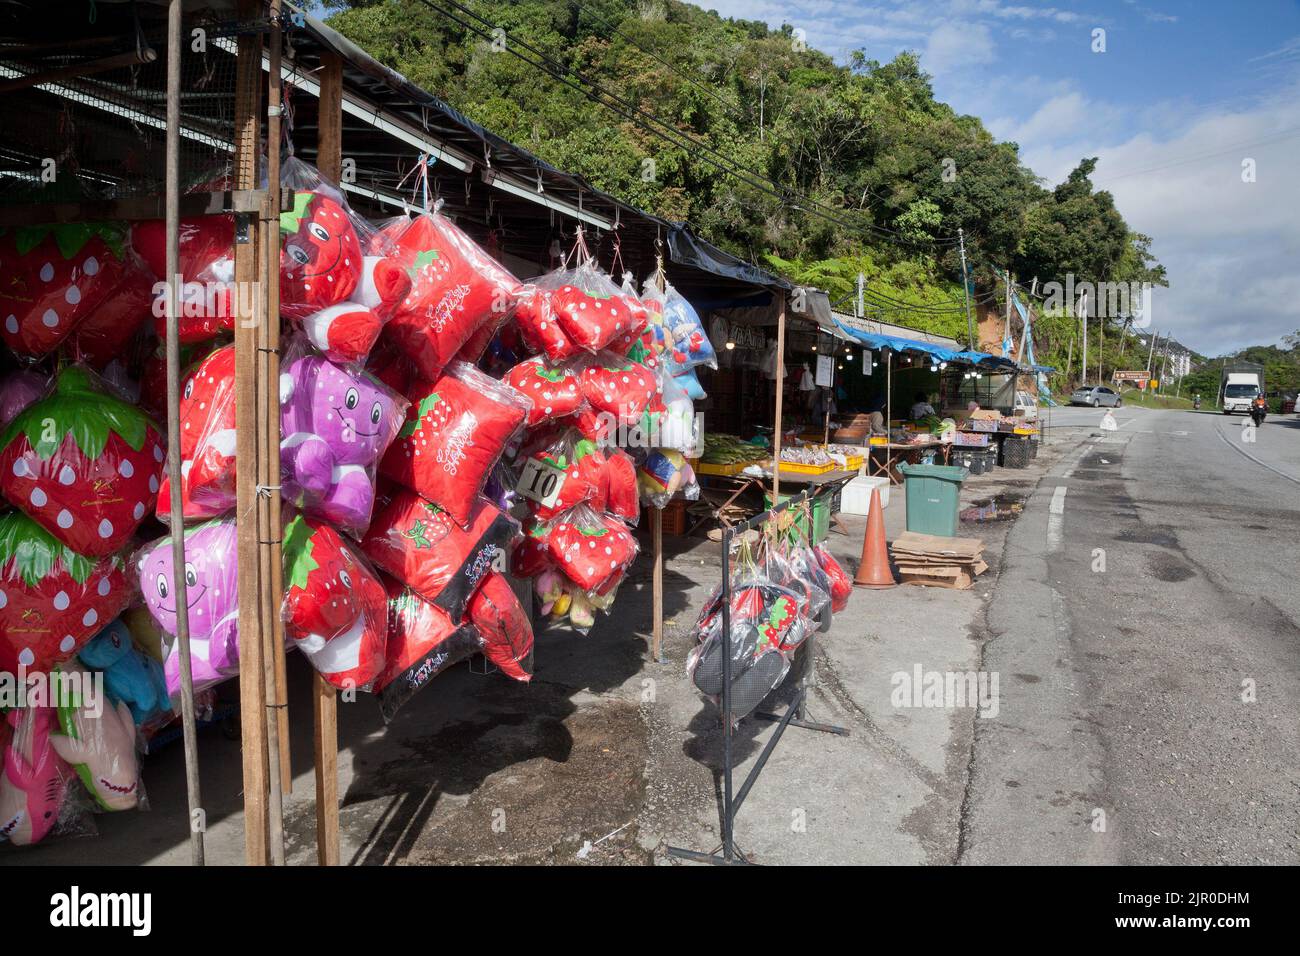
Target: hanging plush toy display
x=82, y=463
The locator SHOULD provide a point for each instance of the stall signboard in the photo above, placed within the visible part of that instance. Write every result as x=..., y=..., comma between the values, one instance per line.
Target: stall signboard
x=868, y=359
x=825, y=371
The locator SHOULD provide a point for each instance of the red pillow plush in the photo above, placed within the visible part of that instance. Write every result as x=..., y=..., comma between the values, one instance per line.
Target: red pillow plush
x=622, y=498
x=422, y=643
x=590, y=309
x=320, y=256
x=52, y=601
x=105, y=332
x=455, y=288
x=418, y=543
x=591, y=549
x=453, y=436
x=503, y=624
x=619, y=387
x=51, y=278
x=335, y=609
x=207, y=414
x=84, y=464
x=555, y=391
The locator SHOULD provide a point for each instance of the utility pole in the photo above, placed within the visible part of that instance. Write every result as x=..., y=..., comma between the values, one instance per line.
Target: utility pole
x=1083, y=320
x=1154, y=335
x=965, y=290
x=862, y=289
x=1101, y=346
x=1006, y=330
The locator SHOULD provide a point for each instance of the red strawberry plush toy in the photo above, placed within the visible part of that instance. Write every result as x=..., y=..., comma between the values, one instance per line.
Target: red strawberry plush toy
x=207, y=413
x=52, y=600
x=346, y=331
x=422, y=643
x=619, y=387
x=555, y=391
x=453, y=436
x=105, y=333
x=622, y=497
x=583, y=467
x=591, y=549
x=539, y=326
x=83, y=464
x=320, y=256
x=335, y=609
x=455, y=288
x=207, y=267
x=841, y=585
x=590, y=309
x=531, y=555
x=419, y=544
x=51, y=278
x=503, y=624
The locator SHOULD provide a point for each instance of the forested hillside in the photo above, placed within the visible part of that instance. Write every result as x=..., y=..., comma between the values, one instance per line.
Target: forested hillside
x=768, y=147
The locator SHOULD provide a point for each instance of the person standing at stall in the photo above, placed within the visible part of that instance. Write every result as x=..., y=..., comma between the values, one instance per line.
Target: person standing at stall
x=921, y=407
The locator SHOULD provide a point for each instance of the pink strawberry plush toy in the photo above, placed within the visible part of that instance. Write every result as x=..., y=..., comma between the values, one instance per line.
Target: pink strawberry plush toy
x=320, y=257
x=83, y=463
x=335, y=423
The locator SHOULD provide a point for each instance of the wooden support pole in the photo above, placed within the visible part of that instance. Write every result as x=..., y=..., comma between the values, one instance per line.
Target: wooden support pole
x=657, y=596
x=329, y=159
x=252, y=674
x=780, y=400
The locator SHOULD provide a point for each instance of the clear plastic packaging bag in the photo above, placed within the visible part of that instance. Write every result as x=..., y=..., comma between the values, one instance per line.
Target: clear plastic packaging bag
x=503, y=625
x=454, y=433
x=618, y=388
x=336, y=423
x=690, y=343
x=131, y=676
x=443, y=560
x=52, y=600
x=592, y=550
x=212, y=582
x=841, y=585
x=82, y=463
x=105, y=333
x=334, y=608
x=456, y=288
x=206, y=300
x=567, y=472
x=34, y=782
x=98, y=741
x=555, y=390
x=423, y=641
x=52, y=277
x=622, y=497
x=207, y=416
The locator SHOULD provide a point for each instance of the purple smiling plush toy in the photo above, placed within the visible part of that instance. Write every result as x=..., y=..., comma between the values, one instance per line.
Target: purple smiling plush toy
x=336, y=423
x=212, y=583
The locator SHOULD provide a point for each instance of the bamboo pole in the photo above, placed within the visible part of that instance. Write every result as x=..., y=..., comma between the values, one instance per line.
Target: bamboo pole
x=175, y=15
x=329, y=158
x=780, y=400
x=657, y=596
x=252, y=674
x=270, y=572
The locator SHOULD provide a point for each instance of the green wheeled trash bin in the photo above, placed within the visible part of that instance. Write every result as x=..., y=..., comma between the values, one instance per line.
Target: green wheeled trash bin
x=932, y=497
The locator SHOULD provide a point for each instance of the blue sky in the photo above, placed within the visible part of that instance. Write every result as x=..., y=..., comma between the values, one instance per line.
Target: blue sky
x=1182, y=95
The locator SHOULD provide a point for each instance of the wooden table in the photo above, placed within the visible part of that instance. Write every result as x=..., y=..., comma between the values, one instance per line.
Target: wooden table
x=894, y=452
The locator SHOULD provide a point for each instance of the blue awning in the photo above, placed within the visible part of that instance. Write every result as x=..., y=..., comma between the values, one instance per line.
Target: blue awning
x=898, y=343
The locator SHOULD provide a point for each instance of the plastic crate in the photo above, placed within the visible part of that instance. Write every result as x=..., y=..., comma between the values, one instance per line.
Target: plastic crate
x=1015, y=452
x=795, y=468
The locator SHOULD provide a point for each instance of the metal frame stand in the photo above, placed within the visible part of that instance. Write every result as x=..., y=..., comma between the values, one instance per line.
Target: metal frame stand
x=727, y=854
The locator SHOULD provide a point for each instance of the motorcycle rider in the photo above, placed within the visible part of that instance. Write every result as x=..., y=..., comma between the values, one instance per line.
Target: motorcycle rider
x=1257, y=409
x=1196, y=401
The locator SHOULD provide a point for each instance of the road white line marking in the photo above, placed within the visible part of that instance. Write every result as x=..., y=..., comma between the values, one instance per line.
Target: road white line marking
x=1056, y=518
x=1229, y=442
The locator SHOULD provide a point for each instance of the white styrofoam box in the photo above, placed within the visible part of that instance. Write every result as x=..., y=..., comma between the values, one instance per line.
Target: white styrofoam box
x=856, y=497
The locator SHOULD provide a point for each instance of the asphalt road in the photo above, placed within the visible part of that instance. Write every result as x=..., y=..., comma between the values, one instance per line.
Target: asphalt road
x=1145, y=632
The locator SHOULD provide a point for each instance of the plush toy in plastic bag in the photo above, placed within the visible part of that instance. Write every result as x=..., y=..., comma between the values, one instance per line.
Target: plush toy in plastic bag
x=591, y=549
x=207, y=416
x=336, y=423
x=566, y=473
x=207, y=267
x=455, y=288
x=20, y=389
x=531, y=554
x=131, y=676
x=52, y=277
x=690, y=385
x=423, y=641
x=621, y=490
x=618, y=388
x=589, y=307
x=320, y=254
x=334, y=608
x=555, y=390
x=503, y=624
x=841, y=583
x=52, y=600
x=453, y=436
x=419, y=544
x=82, y=463
x=212, y=596
x=663, y=473
x=538, y=325
x=34, y=784
x=690, y=344
x=105, y=333
x=98, y=742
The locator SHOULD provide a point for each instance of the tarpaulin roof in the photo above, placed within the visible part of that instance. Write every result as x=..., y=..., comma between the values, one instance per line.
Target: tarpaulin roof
x=944, y=354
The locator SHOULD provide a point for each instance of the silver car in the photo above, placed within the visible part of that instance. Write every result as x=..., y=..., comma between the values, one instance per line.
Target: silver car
x=1096, y=396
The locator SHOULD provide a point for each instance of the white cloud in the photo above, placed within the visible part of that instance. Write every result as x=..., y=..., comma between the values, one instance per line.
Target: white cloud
x=955, y=45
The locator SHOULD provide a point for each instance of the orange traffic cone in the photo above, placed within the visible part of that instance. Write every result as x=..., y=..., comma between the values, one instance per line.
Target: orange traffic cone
x=873, y=569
